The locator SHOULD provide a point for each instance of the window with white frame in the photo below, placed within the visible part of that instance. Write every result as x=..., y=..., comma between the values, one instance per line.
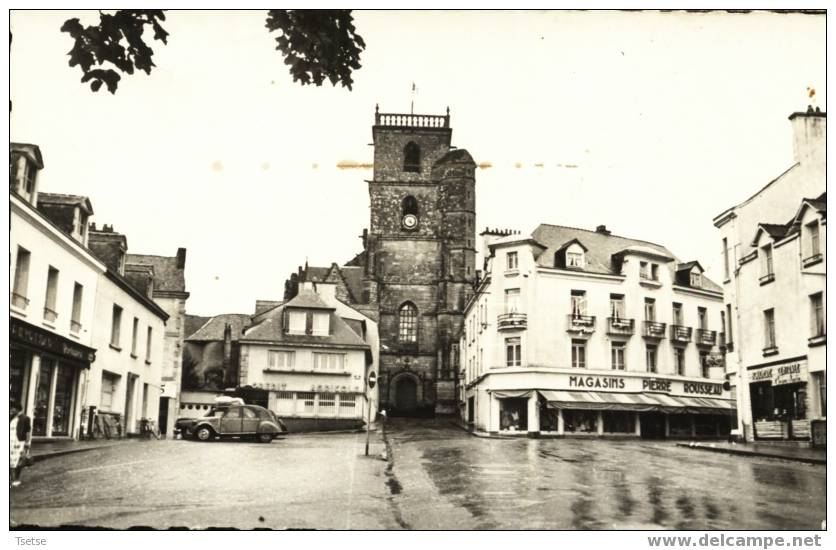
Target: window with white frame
x=116, y=326
x=321, y=324
x=676, y=317
x=50, y=311
x=75, y=316
x=650, y=357
x=725, y=259
x=766, y=261
x=149, y=337
x=617, y=310
x=21, y=282
x=644, y=270
x=618, y=356
x=513, y=352
x=650, y=310
x=512, y=300
x=654, y=272
x=108, y=390
x=296, y=322
x=511, y=261
x=134, y=336
x=679, y=360
x=328, y=361
x=578, y=302
x=280, y=359
x=769, y=328
x=696, y=279
x=702, y=316
x=704, y=365
x=813, y=239
x=574, y=259
x=579, y=354
x=817, y=314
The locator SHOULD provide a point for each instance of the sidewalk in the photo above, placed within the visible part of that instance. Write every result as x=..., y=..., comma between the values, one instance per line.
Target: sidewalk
x=810, y=456
x=42, y=450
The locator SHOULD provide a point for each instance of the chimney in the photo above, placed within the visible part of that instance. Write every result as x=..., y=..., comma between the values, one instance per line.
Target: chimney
x=603, y=230
x=809, y=136
x=181, y=258
x=109, y=247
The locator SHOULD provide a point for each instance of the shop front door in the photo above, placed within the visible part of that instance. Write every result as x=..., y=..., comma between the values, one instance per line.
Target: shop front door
x=652, y=425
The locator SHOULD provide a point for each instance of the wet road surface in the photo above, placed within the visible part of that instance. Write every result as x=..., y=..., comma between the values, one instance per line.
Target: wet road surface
x=438, y=477
x=302, y=481
x=447, y=479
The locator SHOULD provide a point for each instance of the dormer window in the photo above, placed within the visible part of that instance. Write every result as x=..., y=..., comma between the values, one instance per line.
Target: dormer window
x=511, y=261
x=321, y=324
x=574, y=259
x=296, y=322
x=412, y=157
x=696, y=279
x=649, y=271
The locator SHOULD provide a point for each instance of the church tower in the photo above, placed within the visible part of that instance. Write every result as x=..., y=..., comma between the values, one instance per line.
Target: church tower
x=419, y=258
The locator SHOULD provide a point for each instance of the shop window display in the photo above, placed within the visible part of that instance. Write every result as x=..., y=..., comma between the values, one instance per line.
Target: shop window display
x=513, y=415
x=619, y=422
x=580, y=421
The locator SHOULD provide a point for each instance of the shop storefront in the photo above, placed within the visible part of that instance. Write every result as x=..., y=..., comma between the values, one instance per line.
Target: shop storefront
x=780, y=401
x=629, y=405
x=45, y=376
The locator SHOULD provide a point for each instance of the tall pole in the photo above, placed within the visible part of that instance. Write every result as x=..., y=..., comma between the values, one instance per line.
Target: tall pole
x=368, y=423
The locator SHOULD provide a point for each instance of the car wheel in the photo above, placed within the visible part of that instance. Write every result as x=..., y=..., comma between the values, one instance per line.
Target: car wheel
x=204, y=433
x=265, y=438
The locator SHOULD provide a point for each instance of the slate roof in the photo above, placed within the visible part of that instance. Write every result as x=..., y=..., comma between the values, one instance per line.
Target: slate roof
x=30, y=150
x=775, y=230
x=308, y=300
x=269, y=329
x=353, y=277
x=263, y=305
x=168, y=277
x=600, y=249
x=688, y=265
x=213, y=329
x=141, y=277
x=70, y=200
x=193, y=322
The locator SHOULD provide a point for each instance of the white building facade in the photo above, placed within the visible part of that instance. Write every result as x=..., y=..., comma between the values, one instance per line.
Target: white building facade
x=774, y=261
x=312, y=355
x=53, y=282
x=576, y=332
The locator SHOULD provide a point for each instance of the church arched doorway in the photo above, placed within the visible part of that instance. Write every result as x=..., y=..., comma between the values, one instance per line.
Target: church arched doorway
x=406, y=394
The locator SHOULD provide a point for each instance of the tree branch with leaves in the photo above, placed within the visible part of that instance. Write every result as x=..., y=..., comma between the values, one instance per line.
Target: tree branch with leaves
x=318, y=45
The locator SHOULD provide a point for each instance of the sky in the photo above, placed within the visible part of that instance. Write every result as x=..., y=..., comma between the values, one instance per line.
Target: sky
x=649, y=123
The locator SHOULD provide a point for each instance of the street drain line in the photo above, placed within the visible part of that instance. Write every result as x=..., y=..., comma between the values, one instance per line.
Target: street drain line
x=393, y=484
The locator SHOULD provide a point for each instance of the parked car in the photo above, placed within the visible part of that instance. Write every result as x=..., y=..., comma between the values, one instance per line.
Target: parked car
x=232, y=420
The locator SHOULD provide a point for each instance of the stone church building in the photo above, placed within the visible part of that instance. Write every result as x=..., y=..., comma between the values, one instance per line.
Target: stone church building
x=417, y=268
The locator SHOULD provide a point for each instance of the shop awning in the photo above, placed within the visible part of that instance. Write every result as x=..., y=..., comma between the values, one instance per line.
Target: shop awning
x=641, y=402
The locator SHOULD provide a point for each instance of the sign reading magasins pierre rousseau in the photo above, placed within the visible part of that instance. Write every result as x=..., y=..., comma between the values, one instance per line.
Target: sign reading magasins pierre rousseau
x=644, y=384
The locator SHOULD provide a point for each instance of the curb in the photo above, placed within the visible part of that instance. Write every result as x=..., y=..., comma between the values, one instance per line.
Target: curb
x=481, y=435
x=54, y=454
x=742, y=452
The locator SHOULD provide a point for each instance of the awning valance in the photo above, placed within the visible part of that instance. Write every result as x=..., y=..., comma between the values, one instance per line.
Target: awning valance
x=506, y=394
x=641, y=402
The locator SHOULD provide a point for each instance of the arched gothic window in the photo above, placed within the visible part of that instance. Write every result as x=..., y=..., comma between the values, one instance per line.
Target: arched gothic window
x=411, y=157
x=408, y=323
x=409, y=205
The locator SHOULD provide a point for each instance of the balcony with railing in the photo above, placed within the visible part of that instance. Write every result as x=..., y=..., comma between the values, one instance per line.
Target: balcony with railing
x=411, y=120
x=581, y=324
x=652, y=329
x=19, y=301
x=681, y=334
x=811, y=260
x=511, y=321
x=704, y=337
x=620, y=326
